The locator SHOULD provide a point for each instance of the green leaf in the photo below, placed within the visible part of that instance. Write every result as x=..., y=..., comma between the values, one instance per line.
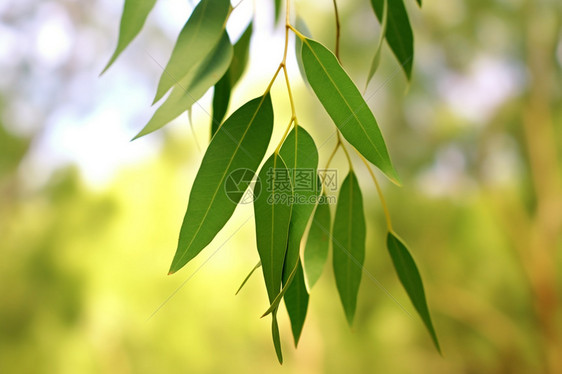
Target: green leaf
x=303, y=29
x=276, y=338
x=272, y=213
x=317, y=243
x=223, y=88
x=345, y=105
x=301, y=157
x=419, y=2
x=240, y=143
x=192, y=87
x=378, y=51
x=277, y=5
x=348, y=241
x=398, y=32
x=196, y=40
x=134, y=15
x=256, y=267
x=411, y=280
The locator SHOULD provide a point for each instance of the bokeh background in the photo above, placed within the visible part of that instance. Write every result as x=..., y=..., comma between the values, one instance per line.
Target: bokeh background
x=89, y=220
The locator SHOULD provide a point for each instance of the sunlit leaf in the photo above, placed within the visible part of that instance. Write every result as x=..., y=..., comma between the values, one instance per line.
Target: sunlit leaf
x=134, y=15
x=256, y=267
x=223, y=88
x=411, y=280
x=378, y=52
x=240, y=143
x=317, y=243
x=196, y=40
x=345, y=105
x=398, y=32
x=301, y=157
x=348, y=243
x=272, y=212
x=192, y=87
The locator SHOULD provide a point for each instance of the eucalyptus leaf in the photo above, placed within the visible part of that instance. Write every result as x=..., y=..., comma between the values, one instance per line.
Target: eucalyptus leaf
x=277, y=9
x=276, y=338
x=196, y=40
x=192, y=87
x=411, y=280
x=348, y=242
x=303, y=29
x=398, y=31
x=317, y=243
x=272, y=212
x=301, y=156
x=240, y=143
x=256, y=267
x=134, y=15
x=345, y=105
x=378, y=52
x=223, y=88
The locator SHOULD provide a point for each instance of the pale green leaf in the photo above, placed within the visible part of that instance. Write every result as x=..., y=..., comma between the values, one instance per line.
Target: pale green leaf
x=240, y=143
x=348, y=243
x=398, y=32
x=411, y=280
x=317, y=243
x=345, y=105
x=134, y=15
x=303, y=29
x=192, y=87
x=196, y=40
x=256, y=267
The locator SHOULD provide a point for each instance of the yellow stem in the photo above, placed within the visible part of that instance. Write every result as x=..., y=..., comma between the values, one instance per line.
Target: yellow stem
x=337, y=51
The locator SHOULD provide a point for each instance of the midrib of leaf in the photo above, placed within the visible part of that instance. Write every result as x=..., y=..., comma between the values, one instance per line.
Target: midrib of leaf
x=343, y=97
x=272, y=220
x=349, y=239
x=222, y=179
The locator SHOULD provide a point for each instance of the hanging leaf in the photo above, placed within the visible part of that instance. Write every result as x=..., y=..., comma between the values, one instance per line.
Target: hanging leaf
x=272, y=212
x=134, y=15
x=192, y=87
x=301, y=157
x=398, y=32
x=277, y=5
x=240, y=143
x=378, y=51
x=345, y=105
x=348, y=243
x=419, y=2
x=411, y=280
x=303, y=29
x=317, y=243
x=196, y=40
x=256, y=267
x=276, y=338
x=223, y=88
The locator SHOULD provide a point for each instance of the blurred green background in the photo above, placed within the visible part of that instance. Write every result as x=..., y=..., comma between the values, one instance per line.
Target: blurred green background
x=89, y=221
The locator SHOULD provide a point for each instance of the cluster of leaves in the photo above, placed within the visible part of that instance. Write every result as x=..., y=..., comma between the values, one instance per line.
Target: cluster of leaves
x=204, y=57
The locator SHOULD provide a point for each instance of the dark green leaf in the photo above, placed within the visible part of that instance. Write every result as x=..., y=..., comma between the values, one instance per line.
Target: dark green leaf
x=192, y=87
x=411, y=280
x=272, y=212
x=134, y=15
x=301, y=156
x=348, y=242
x=378, y=51
x=276, y=338
x=398, y=32
x=345, y=105
x=419, y=2
x=196, y=40
x=223, y=88
x=240, y=143
x=317, y=244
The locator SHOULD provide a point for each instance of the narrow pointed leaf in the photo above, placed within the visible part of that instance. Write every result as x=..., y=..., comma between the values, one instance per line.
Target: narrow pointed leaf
x=301, y=156
x=317, y=244
x=419, y=2
x=223, y=88
x=348, y=242
x=398, y=32
x=256, y=267
x=196, y=41
x=134, y=15
x=378, y=51
x=272, y=212
x=192, y=87
x=240, y=143
x=276, y=339
x=411, y=280
x=345, y=105
x=277, y=4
